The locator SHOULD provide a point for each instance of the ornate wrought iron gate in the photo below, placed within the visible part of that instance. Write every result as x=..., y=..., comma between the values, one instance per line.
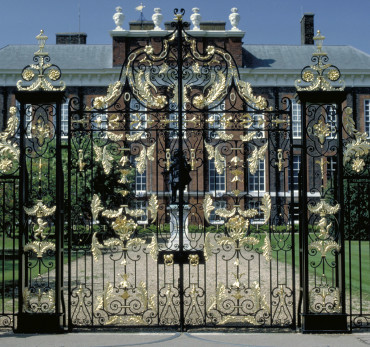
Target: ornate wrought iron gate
x=171, y=199
x=171, y=220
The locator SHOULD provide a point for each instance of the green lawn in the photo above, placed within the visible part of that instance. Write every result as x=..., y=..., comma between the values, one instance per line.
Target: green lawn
x=357, y=263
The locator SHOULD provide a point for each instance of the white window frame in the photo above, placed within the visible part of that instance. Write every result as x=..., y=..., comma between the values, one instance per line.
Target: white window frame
x=293, y=182
x=140, y=182
x=331, y=120
x=296, y=120
x=219, y=184
x=258, y=180
x=64, y=120
x=331, y=167
x=367, y=117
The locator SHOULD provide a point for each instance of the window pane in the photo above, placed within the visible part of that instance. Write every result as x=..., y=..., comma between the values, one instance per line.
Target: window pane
x=367, y=117
x=256, y=182
x=296, y=116
x=217, y=182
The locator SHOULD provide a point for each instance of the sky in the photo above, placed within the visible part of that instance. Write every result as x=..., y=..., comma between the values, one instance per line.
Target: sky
x=342, y=22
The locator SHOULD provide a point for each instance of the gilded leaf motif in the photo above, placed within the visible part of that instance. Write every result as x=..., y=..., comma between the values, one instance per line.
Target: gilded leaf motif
x=224, y=213
x=113, y=213
x=248, y=137
x=141, y=161
x=95, y=247
x=153, y=247
x=113, y=93
x=250, y=213
x=40, y=210
x=324, y=246
x=135, y=213
x=39, y=247
x=150, y=152
x=153, y=207
x=210, y=150
x=219, y=162
x=96, y=206
x=245, y=90
x=113, y=136
x=106, y=161
x=134, y=137
x=207, y=206
x=323, y=208
x=257, y=155
x=223, y=136
x=207, y=249
x=266, y=207
x=267, y=249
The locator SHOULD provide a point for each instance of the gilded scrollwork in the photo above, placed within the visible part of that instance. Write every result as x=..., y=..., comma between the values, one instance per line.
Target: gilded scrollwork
x=124, y=300
x=242, y=294
x=40, y=301
x=324, y=298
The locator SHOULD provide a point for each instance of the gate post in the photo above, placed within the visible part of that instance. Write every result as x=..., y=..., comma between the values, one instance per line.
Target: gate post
x=40, y=197
x=322, y=220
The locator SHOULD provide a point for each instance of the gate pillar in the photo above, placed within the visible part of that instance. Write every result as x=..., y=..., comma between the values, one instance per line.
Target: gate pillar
x=321, y=226
x=40, y=287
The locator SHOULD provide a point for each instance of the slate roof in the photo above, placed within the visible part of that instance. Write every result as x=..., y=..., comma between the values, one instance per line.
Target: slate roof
x=284, y=57
x=274, y=57
x=65, y=56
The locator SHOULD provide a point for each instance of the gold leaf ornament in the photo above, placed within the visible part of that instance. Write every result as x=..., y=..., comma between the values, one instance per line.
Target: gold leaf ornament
x=257, y=155
x=266, y=248
x=9, y=152
x=153, y=207
x=96, y=206
x=207, y=207
x=214, y=153
x=113, y=93
x=266, y=207
x=95, y=247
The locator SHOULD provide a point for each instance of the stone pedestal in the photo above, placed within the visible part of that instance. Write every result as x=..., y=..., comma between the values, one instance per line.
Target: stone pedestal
x=174, y=241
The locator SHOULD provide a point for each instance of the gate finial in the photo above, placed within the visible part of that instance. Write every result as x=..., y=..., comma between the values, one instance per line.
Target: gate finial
x=321, y=75
x=42, y=73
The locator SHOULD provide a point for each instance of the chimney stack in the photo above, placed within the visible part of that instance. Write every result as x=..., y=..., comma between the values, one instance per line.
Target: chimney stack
x=71, y=38
x=307, y=29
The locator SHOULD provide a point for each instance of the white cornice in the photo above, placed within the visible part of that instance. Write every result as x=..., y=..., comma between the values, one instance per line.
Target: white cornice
x=161, y=33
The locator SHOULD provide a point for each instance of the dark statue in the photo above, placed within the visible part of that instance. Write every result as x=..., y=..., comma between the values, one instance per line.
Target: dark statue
x=179, y=173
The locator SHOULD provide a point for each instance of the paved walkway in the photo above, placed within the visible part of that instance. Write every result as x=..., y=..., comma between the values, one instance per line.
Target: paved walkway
x=100, y=339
